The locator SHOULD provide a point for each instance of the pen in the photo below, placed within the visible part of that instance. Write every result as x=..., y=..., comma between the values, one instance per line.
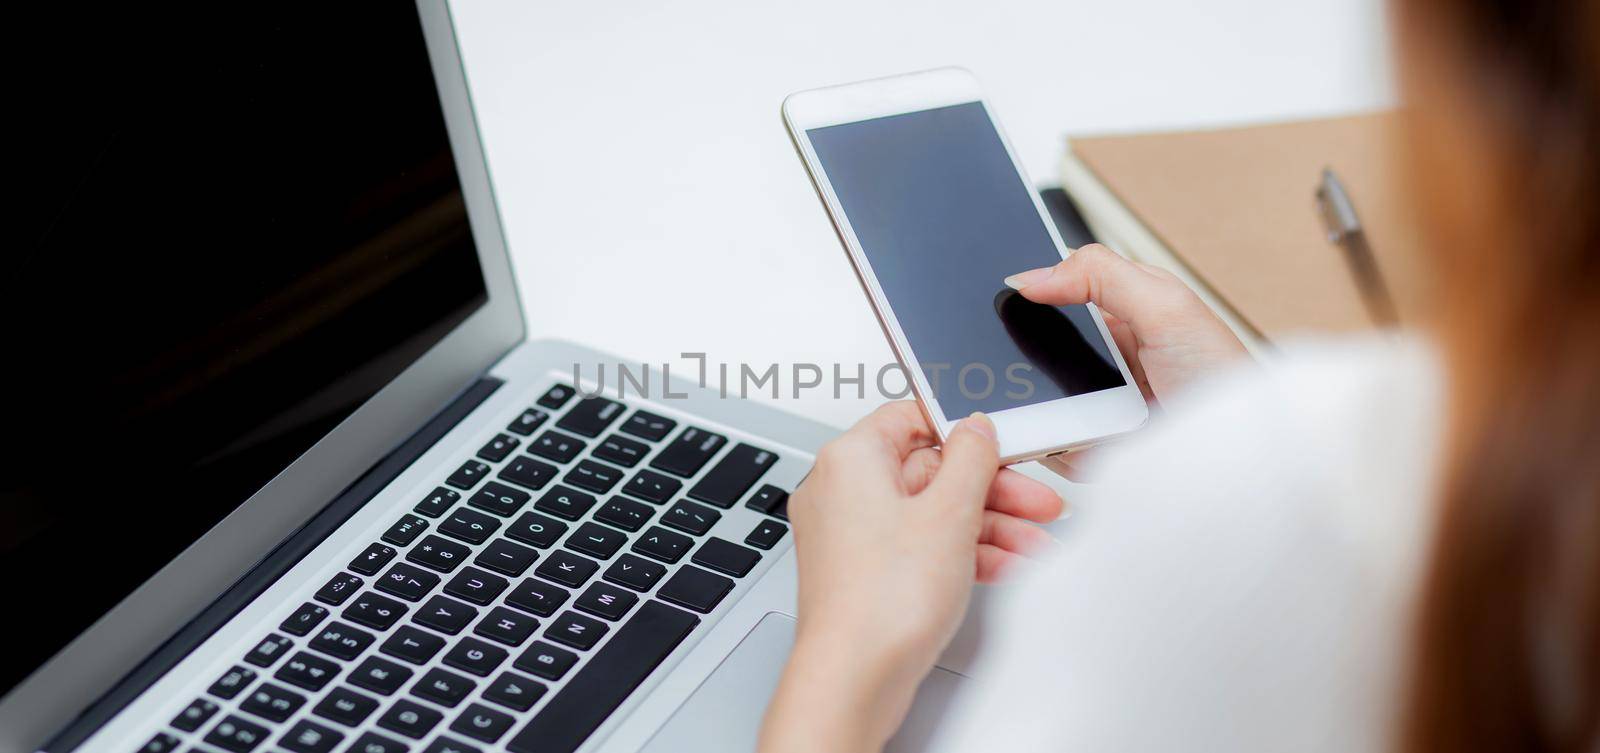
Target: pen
x=1345, y=231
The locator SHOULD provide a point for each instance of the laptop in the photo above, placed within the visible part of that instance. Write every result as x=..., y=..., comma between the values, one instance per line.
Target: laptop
x=284, y=472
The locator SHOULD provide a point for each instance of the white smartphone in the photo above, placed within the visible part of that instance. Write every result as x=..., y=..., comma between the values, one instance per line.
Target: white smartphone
x=935, y=212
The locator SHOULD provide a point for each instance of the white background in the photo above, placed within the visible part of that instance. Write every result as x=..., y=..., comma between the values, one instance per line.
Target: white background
x=653, y=202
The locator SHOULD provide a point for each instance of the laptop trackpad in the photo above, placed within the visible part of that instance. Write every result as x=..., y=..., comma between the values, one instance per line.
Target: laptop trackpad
x=724, y=713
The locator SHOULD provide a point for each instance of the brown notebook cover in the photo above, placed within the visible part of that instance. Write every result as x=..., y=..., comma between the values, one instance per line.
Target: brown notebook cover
x=1237, y=207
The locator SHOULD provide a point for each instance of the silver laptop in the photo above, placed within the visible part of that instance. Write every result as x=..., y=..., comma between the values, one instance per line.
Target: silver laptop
x=293, y=479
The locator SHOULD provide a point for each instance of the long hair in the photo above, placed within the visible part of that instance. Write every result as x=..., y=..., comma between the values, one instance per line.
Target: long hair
x=1507, y=652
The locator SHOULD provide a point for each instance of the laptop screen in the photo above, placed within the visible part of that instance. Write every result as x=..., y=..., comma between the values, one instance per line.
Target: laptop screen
x=238, y=222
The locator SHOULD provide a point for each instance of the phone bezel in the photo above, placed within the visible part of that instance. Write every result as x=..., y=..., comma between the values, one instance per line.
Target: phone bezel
x=1025, y=432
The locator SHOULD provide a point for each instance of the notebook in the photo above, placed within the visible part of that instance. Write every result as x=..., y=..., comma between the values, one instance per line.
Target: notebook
x=1232, y=211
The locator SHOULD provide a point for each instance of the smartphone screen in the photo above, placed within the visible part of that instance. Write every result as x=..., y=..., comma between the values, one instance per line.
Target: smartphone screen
x=943, y=218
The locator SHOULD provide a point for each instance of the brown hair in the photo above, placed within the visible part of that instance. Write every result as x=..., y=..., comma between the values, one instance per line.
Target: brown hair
x=1505, y=142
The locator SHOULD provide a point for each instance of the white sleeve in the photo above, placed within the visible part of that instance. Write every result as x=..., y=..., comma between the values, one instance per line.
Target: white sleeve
x=1211, y=592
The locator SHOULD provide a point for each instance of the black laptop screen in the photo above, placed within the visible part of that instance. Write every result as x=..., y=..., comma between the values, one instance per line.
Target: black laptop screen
x=237, y=222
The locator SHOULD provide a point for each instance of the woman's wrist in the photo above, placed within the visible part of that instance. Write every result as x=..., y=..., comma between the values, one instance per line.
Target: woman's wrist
x=840, y=693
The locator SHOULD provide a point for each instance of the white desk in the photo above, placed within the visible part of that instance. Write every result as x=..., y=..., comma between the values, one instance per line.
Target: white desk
x=653, y=202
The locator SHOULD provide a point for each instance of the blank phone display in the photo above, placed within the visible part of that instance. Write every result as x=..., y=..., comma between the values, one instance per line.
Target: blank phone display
x=943, y=218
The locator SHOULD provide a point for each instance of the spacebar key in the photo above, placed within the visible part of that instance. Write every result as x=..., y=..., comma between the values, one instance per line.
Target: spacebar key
x=601, y=686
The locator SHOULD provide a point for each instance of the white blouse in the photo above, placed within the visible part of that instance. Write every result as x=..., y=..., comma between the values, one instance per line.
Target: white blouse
x=1238, y=578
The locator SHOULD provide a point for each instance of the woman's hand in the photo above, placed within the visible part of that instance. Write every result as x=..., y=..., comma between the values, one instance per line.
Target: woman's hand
x=890, y=534
x=1168, y=336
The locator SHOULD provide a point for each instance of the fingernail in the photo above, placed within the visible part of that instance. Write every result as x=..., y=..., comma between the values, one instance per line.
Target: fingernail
x=979, y=423
x=1021, y=280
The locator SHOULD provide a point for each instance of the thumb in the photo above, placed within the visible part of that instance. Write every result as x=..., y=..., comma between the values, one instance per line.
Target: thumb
x=969, y=461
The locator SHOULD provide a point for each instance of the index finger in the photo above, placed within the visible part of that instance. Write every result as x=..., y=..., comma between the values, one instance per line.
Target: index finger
x=898, y=426
x=1095, y=273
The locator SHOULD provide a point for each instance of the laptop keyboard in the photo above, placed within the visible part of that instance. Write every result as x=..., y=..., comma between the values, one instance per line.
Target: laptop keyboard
x=551, y=573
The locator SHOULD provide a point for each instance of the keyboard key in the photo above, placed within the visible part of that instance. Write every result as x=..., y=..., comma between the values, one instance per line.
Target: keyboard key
x=444, y=744
x=272, y=702
x=194, y=715
x=346, y=706
x=476, y=586
x=370, y=561
x=514, y=691
x=235, y=734
x=596, y=540
x=407, y=582
x=726, y=557
x=695, y=588
x=506, y=626
x=470, y=526
x=161, y=743
x=506, y=558
x=475, y=656
x=499, y=499
x=438, y=553
x=375, y=611
x=537, y=597
x=410, y=718
x=307, y=736
x=567, y=568
x=538, y=530
x=621, y=450
x=689, y=517
x=380, y=675
x=266, y=653
x=405, y=530
x=231, y=682
x=576, y=630
x=636, y=573
x=480, y=722
x=733, y=475
x=305, y=670
x=642, y=643
x=341, y=641
x=652, y=487
x=545, y=660
x=372, y=742
x=499, y=448
x=767, y=498
x=437, y=501
x=591, y=416
x=553, y=445
x=566, y=502
x=468, y=475
x=596, y=477
x=445, y=615
x=664, y=545
x=647, y=425
x=337, y=589
x=443, y=687
x=767, y=534
x=413, y=645
x=688, y=453
x=525, y=471
x=605, y=600
x=624, y=513
x=304, y=620
x=528, y=422
x=556, y=397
